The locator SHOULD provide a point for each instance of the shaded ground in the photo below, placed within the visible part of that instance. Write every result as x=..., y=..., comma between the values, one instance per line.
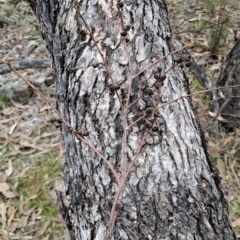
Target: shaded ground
x=30, y=146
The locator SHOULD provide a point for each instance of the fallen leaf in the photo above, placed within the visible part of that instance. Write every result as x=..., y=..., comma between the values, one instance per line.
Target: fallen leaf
x=236, y=223
x=45, y=108
x=4, y=189
x=237, y=132
x=221, y=168
x=22, y=222
x=215, y=150
x=3, y=212
x=46, y=238
x=18, y=237
x=42, y=230
x=29, y=211
x=9, y=171
x=4, y=235
x=23, y=172
x=12, y=128
x=219, y=118
x=11, y=213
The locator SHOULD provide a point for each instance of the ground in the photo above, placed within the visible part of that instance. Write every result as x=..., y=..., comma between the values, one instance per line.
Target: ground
x=31, y=151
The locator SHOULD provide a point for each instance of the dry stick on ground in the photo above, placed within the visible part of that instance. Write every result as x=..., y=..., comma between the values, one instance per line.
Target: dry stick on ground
x=24, y=64
x=76, y=134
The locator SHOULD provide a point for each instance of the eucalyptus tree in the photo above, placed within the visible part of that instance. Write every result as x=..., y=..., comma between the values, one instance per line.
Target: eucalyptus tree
x=136, y=163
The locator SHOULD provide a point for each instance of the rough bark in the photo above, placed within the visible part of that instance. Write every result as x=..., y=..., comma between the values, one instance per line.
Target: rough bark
x=174, y=190
x=231, y=76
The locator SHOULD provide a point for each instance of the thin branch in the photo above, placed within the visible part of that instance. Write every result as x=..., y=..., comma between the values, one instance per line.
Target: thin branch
x=137, y=99
x=139, y=119
x=101, y=54
x=129, y=59
x=159, y=60
x=126, y=107
x=165, y=73
x=76, y=134
x=100, y=155
x=117, y=197
x=194, y=68
x=196, y=93
x=185, y=96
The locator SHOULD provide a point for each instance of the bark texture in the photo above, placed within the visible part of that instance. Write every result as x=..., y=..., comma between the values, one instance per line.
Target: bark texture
x=231, y=76
x=173, y=191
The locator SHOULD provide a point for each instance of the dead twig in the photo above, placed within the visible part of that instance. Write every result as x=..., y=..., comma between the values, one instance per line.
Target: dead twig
x=101, y=54
x=25, y=64
x=182, y=97
x=159, y=60
x=76, y=134
x=126, y=107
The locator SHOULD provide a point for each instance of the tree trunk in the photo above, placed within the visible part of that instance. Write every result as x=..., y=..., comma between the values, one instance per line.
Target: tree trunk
x=231, y=101
x=173, y=190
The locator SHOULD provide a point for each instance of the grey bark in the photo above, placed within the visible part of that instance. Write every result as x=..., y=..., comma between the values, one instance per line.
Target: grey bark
x=174, y=190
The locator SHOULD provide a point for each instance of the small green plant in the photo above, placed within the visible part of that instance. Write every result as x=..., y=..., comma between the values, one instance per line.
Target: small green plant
x=4, y=102
x=234, y=210
x=8, y=12
x=46, y=166
x=218, y=23
x=215, y=23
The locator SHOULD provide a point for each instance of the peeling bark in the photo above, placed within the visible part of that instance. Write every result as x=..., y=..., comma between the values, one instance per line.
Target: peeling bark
x=174, y=190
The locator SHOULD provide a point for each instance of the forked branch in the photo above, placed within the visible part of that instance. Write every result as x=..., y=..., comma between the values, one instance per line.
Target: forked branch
x=101, y=54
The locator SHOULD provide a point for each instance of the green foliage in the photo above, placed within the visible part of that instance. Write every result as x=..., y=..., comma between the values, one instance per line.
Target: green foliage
x=222, y=128
x=219, y=21
x=215, y=24
x=14, y=2
x=4, y=149
x=8, y=12
x=195, y=84
x=4, y=102
x=234, y=211
x=46, y=167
